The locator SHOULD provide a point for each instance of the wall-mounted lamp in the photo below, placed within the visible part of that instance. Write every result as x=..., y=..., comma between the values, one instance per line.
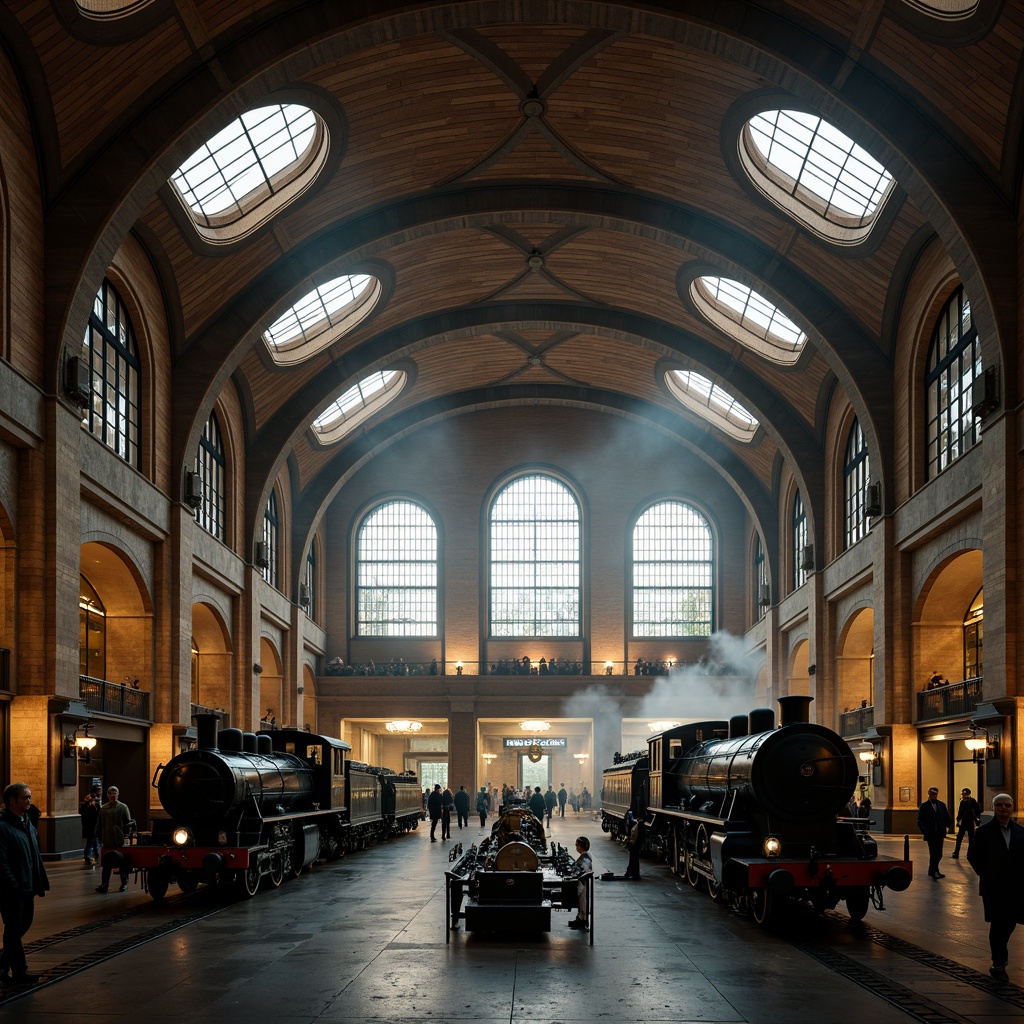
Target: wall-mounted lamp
x=608, y=667
x=871, y=759
x=458, y=668
x=489, y=758
x=257, y=668
x=982, y=747
x=76, y=745
x=582, y=758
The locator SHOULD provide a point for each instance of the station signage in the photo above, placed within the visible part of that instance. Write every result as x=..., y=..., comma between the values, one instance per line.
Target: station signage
x=525, y=742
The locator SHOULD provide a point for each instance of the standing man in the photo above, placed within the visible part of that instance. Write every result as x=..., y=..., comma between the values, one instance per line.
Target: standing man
x=549, y=803
x=112, y=828
x=633, y=843
x=562, y=797
x=434, y=810
x=997, y=856
x=462, y=806
x=968, y=815
x=483, y=805
x=22, y=879
x=537, y=804
x=933, y=820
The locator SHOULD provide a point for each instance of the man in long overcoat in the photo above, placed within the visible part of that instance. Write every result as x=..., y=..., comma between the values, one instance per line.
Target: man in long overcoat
x=934, y=821
x=997, y=856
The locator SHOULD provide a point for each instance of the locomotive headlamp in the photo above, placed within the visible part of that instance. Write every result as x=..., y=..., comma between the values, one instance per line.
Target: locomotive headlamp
x=772, y=846
x=182, y=836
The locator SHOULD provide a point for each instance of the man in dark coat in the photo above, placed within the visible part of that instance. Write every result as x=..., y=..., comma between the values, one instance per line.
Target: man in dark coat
x=22, y=879
x=434, y=810
x=537, y=804
x=562, y=797
x=968, y=817
x=462, y=806
x=933, y=820
x=997, y=856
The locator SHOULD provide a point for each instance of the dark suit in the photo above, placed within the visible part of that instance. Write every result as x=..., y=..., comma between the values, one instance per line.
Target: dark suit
x=968, y=816
x=934, y=821
x=22, y=879
x=1001, y=872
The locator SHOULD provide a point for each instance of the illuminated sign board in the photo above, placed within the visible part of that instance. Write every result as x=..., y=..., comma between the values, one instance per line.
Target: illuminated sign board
x=525, y=742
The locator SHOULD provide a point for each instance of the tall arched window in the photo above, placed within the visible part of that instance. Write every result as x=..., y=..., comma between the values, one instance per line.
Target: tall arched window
x=761, y=588
x=954, y=362
x=92, y=631
x=856, y=477
x=309, y=581
x=799, y=541
x=673, y=572
x=536, y=572
x=114, y=414
x=210, y=470
x=396, y=571
x=271, y=529
x=974, y=637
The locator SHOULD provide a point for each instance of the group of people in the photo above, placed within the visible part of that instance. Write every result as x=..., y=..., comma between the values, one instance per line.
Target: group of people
x=995, y=851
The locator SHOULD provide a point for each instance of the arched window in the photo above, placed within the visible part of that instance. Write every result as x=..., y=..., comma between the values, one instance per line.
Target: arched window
x=856, y=477
x=114, y=415
x=815, y=173
x=673, y=572
x=749, y=318
x=321, y=317
x=396, y=572
x=92, y=632
x=974, y=637
x=761, y=588
x=210, y=471
x=236, y=181
x=799, y=534
x=536, y=571
x=309, y=581
x=954, y=362
x=271, y=530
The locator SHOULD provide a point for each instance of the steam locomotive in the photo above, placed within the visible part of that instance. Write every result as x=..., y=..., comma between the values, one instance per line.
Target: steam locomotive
x=244, y=807
x=755, y=817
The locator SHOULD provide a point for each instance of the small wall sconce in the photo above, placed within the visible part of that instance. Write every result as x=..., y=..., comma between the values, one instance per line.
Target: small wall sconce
x=871, y=758
x=582, y=758
x=257, y=668
x=608, y=667
x=458, y=668
x=489, y=758
x=982, y=747
x=76, y=745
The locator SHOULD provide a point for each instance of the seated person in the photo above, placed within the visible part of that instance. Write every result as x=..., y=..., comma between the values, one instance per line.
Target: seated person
x=583, y=864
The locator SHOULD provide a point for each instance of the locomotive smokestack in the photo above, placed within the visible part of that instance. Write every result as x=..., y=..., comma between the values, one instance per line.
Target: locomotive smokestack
x=795, y=710
x=737, y=726
x=263, y=744
x=760, y=720
x=206, y=731
x=249, y=742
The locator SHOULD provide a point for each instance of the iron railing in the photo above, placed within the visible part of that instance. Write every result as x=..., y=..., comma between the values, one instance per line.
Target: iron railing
x=114, y=698
x=857, y=722
x=953, y=700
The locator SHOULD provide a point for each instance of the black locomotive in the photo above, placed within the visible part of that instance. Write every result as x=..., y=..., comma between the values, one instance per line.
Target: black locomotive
x=754, y=817
x=243, y=807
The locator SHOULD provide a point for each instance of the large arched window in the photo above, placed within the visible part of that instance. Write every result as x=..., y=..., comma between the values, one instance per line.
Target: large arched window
x=237, y=180
x=673, y=572
x=396, y=572
x=762, y=592
x=536, y=573
x=114, y=414
x=799, y=535
x=954, y=363
x=210, y=471
x=856, y=477
x=815, y=173
x=309, y=581
x=271, y=534
x=974, y=637
x=92, y=632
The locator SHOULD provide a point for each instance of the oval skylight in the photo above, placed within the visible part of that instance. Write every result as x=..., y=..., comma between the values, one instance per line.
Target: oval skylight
x=358, y=404
x=711, y=402
x=249, y=170
x=321, y=317
x=110, y=8
x=945, y=8
x=814, y=172
x=748, y=318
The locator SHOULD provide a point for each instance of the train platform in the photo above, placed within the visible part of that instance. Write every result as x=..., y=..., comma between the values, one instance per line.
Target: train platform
x=363, y=939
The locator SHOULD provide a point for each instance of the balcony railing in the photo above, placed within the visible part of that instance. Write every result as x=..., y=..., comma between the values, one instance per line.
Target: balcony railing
x=858, y=721
x=950, y=701
x=114, y=698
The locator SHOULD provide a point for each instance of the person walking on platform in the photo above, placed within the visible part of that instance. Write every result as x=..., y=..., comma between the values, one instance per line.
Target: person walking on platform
x=933, y=820
x=22, y=879
x=483, y=805
x=89, y=812
x=634, y=838
x=549, y=803
x=997, y=856
x=434, y=810
x=968, y=816
x=462, y=806
x=583, y=864
x=562, y=797
x=112, y=829
x=447, y=806
x=537, y=804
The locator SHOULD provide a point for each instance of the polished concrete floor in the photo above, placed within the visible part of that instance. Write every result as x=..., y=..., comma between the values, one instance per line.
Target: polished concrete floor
x=363, y=939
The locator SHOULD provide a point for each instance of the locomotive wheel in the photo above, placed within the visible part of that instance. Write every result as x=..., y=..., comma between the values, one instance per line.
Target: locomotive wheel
x=276, y=875
x=605, y=826
x=857, y=902
x=249, y=880
x=714, y=890
x=188, y=881
x=693, y=876
x=762, y=906
x=157, y=880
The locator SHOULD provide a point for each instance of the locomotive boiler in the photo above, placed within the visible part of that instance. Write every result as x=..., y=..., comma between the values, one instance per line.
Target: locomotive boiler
x=755, y=817
x=244, y=808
